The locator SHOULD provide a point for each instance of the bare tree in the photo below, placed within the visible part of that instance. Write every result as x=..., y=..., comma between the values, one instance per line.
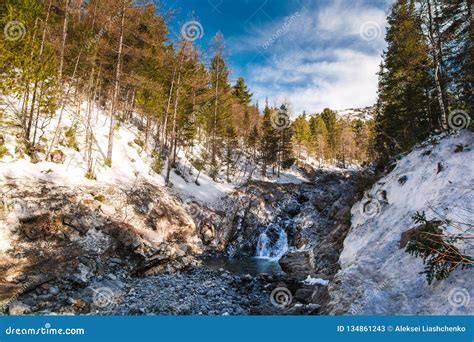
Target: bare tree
x=116, y=88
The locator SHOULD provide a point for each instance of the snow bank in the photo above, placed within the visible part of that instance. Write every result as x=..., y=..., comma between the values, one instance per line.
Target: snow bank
x=315, y=281
x=376, y=276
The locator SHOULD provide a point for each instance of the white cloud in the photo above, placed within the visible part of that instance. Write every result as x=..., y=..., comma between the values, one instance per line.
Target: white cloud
x=349, y=80
x=322, y=59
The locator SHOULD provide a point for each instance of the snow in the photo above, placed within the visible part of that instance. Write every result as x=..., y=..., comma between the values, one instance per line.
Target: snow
x=5, y=238
x=130, y=163
x=376, y=276
x=315, y=281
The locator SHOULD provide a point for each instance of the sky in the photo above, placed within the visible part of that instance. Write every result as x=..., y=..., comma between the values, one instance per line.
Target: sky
x=314, y=54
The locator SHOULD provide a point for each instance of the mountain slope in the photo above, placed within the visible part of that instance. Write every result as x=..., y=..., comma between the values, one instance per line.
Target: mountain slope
x=377, y=276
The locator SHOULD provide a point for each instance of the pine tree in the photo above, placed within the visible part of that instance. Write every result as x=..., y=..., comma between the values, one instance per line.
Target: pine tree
x=268, y=141
x=230, y=146
x=284, y=146
x=319, y=137
x=252, y=142
x=456, y=32
x=302, y=134
x=221, y=90
x=406, y=113
x=241, y=92
x=330, y=120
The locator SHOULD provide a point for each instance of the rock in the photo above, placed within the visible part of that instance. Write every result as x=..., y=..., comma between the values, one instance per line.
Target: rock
x=117, y=261
x=247, y=278
x=17, y=308
x=322, y=203
x=53, y=290
x=293, y=208
x=76, y=223
x=343, y=214
x=304, y=295
x=402, y=180
x=180, y=253
x=57, y=157
x=207, y=234
x=34, y=157
x=81, y=277
x=108, y=210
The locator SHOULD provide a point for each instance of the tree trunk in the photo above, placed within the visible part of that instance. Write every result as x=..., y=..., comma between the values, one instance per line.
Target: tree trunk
x=436, y=65
x=63, y=43
x=58, y=126
x=116, y=90
x=173, y=136
x=164, y=134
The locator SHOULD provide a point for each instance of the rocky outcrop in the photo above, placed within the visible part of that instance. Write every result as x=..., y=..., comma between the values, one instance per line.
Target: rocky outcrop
x=307, y=212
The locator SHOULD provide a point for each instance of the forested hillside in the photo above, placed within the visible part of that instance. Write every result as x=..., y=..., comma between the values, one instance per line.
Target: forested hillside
x=121, y=56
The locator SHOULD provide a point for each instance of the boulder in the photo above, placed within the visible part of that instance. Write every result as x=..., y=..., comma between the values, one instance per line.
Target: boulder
x=298, y=264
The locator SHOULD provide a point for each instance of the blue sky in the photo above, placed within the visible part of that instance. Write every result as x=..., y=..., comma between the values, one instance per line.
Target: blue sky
x=312, y=53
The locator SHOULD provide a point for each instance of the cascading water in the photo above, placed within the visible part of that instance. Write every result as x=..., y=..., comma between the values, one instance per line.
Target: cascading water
x=272, y=243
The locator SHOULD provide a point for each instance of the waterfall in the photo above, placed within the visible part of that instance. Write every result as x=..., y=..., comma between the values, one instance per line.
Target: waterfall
x=263, y=246
x=272, y=243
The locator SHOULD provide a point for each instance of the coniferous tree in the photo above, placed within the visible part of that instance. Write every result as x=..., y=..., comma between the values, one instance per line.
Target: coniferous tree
x=284, y=144
x=405, y=113
x=242, y=92
x=319, y=134
x=330, y=121
x=221, y=90
x=268, y=141
x=456, y=31
x=252, y=142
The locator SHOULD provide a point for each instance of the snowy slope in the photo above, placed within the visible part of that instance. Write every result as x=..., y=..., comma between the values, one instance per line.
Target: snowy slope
x=130, y=161
x=364, y=114
x=376, y=276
